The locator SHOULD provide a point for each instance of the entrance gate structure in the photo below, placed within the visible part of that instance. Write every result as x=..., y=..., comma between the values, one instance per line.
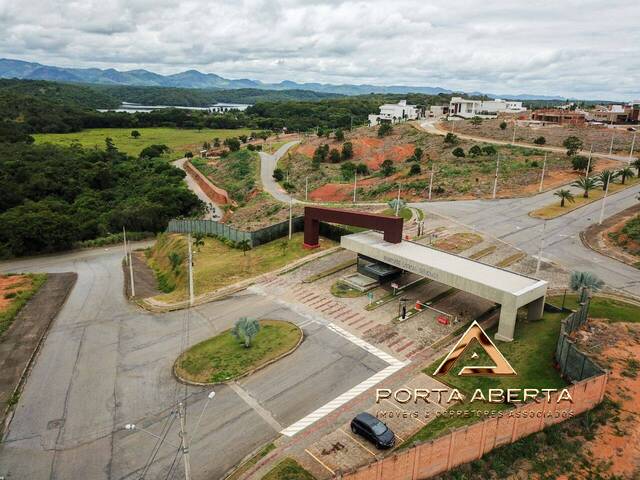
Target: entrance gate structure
x=509, y=289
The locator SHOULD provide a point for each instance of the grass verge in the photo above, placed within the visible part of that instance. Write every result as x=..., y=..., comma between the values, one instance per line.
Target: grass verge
x=224, y=357
x=247, y=465
x=602, y=307
x=330, y=271
x=288, y=469
x=555, y=210
x=217, y=265
x=17, y=296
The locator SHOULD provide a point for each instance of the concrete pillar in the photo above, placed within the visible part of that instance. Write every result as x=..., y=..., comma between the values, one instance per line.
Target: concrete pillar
x=535, y=309
x=507, y=322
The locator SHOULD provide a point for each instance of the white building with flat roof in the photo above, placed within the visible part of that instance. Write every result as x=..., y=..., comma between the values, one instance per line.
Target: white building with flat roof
x=465, y=108
x=394, y=113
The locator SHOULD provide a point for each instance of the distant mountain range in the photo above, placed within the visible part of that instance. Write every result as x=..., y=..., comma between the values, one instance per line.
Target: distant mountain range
x=194, y=79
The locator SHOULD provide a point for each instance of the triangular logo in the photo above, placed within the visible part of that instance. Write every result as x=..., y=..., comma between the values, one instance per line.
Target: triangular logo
x=475, y=331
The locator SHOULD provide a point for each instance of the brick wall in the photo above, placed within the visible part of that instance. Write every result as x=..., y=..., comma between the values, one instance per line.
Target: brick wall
x=470, y=443
x=216, y=194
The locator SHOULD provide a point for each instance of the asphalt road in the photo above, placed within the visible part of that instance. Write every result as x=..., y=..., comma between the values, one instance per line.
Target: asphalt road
x=106, y=363
x=508, y=220
x=267, y=166
x=214, y=210
x=430, y=126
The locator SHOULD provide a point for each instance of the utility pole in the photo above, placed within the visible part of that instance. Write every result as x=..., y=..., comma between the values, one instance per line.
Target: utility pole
x=611, y=146
x=586, y=175
x=544, y=226
x=633, y=144
x=290, y=217
x=133, y=287
x=495, y=180
x=355, y=186
x=431, y=181
x=515, y=124
x=604, y=201
x=191, y=296
x=544, y=166
x=398, y=201
x=184, y=443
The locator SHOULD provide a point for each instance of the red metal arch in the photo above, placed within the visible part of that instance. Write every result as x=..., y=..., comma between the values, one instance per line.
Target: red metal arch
x=391, y=226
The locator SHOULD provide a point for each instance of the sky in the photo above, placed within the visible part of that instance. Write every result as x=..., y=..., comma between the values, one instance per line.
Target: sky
x=582, y=49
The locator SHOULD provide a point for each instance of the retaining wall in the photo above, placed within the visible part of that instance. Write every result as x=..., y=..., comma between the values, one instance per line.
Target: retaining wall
x=216, y=194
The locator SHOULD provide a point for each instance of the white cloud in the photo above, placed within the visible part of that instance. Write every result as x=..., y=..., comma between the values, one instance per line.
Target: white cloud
x=584, y=48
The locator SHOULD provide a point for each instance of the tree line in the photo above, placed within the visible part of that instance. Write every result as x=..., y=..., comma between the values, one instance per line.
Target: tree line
x=52, y=197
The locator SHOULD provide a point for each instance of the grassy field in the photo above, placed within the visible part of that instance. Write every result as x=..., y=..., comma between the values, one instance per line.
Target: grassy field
x=217, y=264
x=288, y=469
x=15, y=291
x=405, y=213
x=224, y=357
x=555, y=210
x=341, y=289
x=178, y=140
x=533, y=340
x=600, y=307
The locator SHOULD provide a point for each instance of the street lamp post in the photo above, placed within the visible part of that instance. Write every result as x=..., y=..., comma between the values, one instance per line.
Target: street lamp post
x=633, y=144
x=290, y=217
x=544, y=166
x=398, y=201
x=495, y=180
x=191, y=294
x=544, y=227
x=604, y=201
x=613, y=133
x=515, y=124
x=306, y=189
x=431, y=181
x=586, y=175
x=355, y=186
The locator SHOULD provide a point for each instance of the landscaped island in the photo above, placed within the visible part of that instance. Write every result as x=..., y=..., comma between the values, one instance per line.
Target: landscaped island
x=225, y=357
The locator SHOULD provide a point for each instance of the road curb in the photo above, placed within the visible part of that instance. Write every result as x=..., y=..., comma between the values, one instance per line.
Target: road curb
x=246, y=374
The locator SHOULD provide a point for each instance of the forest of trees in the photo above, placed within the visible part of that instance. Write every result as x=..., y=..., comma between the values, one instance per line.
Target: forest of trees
x=52, y=197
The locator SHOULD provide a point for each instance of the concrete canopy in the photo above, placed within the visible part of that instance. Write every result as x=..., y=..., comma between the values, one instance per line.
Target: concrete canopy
x=511, y=290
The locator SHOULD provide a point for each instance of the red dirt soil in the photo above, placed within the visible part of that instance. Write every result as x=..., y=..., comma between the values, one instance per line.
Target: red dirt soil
x=12, y=284
x=619, y=444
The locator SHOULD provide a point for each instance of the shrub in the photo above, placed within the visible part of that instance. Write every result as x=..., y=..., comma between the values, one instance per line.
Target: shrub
x=347, y=150
x=475, y=151
x=278, y=174
x=387, y=168
x=339, y=135
x=489, y=150
x=540, y=140
x=362, y=169
x=415, y=169
x=451, y=139
x=334, y=156
x=503, y=125
x=385, y=129
x=573, y=144
x=475, y=121
x=580, y=162
x=348, y=170
x=458, y=152
x=232, y=144
x=251, y=147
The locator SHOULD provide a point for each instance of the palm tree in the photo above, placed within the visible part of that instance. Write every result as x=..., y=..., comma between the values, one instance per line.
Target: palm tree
x=198, y=240
x=245, y=330
x=586, y=184
x=607, y=176
x=625, y=172
x=564, y=194
x=244, y=245
x=636, y=164
x=585, y=283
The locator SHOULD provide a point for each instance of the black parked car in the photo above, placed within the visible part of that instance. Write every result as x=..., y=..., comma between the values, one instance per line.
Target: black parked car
x=374, y=430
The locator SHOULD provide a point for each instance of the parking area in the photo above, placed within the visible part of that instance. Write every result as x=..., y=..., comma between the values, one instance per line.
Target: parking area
x=341, y=449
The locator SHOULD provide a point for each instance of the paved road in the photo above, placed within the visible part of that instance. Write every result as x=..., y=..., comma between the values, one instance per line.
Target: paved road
x=106, y=363
x=267, y=166
x=430, y=126
x=214, y=209
x=507, y=219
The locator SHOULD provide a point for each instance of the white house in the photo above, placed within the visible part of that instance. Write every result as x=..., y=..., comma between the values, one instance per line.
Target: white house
x=395, y=112
x=465, y=108
x=227, y=107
